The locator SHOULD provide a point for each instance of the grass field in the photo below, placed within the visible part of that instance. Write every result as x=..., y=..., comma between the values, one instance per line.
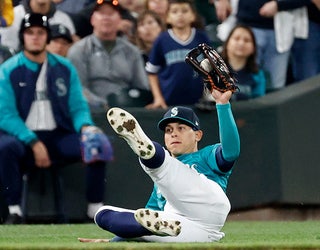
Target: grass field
x=239, y=235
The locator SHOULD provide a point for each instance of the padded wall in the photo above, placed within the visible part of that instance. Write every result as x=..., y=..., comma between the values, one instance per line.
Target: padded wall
x=279, y=161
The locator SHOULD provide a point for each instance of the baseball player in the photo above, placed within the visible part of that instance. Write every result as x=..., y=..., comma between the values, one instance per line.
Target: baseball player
x=188, y=203
x=43, y=113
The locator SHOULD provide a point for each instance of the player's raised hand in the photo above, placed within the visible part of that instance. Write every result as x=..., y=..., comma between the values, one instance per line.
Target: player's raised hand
x=221, y=97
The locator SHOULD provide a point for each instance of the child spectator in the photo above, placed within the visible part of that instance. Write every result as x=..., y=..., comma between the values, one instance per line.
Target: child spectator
x=239, y=52
x=149, y=26
x=172, y=81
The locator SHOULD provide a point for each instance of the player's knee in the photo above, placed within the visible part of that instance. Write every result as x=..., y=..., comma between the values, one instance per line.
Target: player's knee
x=98, y=217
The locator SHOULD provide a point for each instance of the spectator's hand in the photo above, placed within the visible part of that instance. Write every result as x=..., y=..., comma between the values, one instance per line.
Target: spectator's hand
x=157, y=103
x=269, y=9
x=41, y=155
x=316, y=3
x=221, y=97
x=223, y=9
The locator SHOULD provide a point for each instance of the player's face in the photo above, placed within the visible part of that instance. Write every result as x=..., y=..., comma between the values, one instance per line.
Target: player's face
x=181, y=139
x=35, y=40
x=240, y=44
x=180, y=15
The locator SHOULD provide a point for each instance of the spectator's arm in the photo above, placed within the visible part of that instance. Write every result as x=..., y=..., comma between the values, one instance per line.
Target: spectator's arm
x=316, y=3
x=223, y=9
x=158, y=99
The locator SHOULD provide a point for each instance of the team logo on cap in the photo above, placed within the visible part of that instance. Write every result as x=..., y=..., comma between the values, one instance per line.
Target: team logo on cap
x=174, y=111
x=62, y=30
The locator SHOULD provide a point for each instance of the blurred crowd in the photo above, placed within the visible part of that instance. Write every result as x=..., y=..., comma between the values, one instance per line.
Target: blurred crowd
x=136, y=56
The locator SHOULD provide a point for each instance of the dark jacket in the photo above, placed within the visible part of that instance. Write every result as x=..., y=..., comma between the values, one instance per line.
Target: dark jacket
x=248, y=11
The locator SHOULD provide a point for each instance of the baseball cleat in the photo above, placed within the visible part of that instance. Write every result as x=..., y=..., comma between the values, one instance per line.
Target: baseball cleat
x=127, y=127
x=152, y=221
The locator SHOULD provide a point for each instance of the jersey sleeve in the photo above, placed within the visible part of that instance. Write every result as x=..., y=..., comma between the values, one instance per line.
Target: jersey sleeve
x=156, y=200
x=229, y=136
x=10, y=120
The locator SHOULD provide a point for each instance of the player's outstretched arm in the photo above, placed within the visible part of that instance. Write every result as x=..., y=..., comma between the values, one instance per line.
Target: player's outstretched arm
x=229, y=135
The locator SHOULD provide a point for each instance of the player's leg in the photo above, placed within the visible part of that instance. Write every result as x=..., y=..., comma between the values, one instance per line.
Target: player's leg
x=127, y=127
x=66, y=147
x=190, y=231
x=122, y=222
x=153, y=226
x=153, y=221
x=11, y=153
x=190, y=193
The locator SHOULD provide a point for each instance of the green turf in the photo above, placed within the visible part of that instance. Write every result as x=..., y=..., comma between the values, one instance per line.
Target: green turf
x=239, y=235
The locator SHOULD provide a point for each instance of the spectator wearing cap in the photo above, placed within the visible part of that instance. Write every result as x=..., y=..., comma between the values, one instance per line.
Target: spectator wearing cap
x=84, y=27
x=9, y=35
x=43, y=115
x=107, y=63
x=61, y=40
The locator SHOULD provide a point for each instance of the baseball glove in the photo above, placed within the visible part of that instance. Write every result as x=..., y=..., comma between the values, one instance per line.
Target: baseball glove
x=95, y=145
x=208, y=63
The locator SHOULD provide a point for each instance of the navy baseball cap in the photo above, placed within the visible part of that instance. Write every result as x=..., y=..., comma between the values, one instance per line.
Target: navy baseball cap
x=60, y=31
x=180, y=114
